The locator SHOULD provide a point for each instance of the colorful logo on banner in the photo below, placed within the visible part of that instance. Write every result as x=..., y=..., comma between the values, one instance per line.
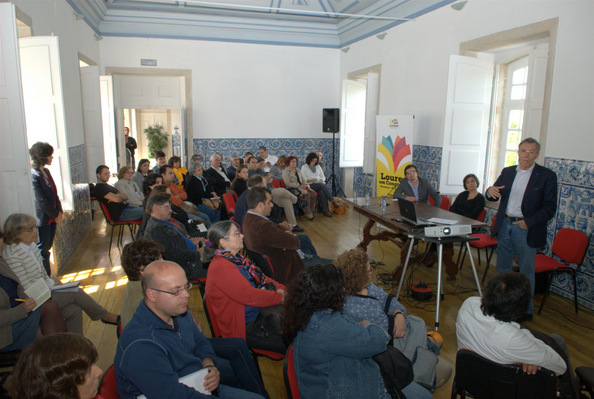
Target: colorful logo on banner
x=393, y=157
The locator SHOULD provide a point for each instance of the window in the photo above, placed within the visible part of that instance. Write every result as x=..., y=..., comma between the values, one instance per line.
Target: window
x=515, y=96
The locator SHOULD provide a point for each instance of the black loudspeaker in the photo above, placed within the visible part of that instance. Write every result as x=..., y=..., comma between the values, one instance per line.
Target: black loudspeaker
x=330, y=120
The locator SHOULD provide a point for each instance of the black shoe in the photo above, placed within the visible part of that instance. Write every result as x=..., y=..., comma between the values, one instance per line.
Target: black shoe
x=525, y=317
x=302, y=203
x=117, y=323
x=298, y=229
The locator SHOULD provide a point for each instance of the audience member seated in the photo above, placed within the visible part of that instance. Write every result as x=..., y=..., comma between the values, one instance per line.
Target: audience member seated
x=246, y=157
x=333, y=351
x=288, y=253
x=179, y=171
x=23, y=258
x=239, y=183
x=142, y=171
x=182, y=218
x=19, y=323
x=196, y=158
x=415, y=188
x=179, y=197
x=314, y=176
x=179, y=247
x=367, y=301
x=161, y=161
x=163, y=344
x=126, y=185
x=136, y=256
x=57, y=366
x=295, y=183
x=216, y=177
x=489, y=327
x=277, y=169
x=198, y=190
x=232, y=168
x=246, y=301
x=114, y=200
x=268, y=159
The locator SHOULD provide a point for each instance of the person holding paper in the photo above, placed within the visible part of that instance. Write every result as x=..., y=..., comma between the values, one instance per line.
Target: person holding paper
x=20, y=319
x=24, y=260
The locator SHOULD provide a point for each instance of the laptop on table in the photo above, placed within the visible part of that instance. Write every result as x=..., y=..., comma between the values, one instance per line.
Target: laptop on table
x=409, y=214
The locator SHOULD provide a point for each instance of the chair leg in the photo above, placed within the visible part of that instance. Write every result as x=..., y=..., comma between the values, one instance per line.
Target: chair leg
x=478, y=251
x=573, y=274
x=547, y=290
x=489, y=257
x=110, y=240
x=464, y=252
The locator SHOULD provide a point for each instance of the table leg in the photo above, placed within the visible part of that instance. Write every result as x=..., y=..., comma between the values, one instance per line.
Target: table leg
x=478, y=286
x=438, y=293
x=367, y=236
x=412, y=243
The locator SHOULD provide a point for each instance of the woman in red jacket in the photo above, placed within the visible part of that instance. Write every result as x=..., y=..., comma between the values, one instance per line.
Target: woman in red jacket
x=245, y=302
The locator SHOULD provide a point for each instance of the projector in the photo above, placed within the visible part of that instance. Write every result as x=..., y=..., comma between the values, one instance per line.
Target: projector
x=448, y=231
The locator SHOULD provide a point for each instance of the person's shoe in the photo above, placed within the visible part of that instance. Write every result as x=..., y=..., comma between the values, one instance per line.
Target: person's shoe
x=525, y=317
x=117, y=322
x=298, y=229
x=310, y=217
x=328, y=214
x=302, y=203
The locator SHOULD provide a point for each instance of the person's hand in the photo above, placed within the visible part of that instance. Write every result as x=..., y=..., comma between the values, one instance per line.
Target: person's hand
x=196, y=240
x=123, y=196
x=530, y=369
x=399, y=325
x=411, y=199
x=494, y=191
x=57, y=281
x=212, y=379
x=29, y=304
x=285, y=225
x=283, y=293
x=364, y=322
x=522, y=224
x=59, y=217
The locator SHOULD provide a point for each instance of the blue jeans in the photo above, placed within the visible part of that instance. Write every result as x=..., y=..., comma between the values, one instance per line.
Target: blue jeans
x=325, y=194
x=416, y=391
x=308, y=249
x=46, y=240
x=236, y=361
x=131, y=213
x=511, y=240
x=203, y=217
x=226, y=392
x=214, y=216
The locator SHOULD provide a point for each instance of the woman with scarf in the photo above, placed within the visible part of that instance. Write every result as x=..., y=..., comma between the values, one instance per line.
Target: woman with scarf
x=197, y=189
x=245, y=301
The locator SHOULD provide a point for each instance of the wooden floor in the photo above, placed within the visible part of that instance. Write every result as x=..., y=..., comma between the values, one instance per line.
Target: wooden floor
x=104, y=279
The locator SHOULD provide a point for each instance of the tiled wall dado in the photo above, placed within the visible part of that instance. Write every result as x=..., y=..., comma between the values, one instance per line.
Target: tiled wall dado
x=77, y=223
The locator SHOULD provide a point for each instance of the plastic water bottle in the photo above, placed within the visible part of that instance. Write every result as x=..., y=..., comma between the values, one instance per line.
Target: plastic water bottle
x=383, y=204
x=355, y=196
x=367, y=198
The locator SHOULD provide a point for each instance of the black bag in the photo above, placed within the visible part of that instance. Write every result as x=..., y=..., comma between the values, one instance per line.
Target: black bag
x=396, y=371
x=295, y=191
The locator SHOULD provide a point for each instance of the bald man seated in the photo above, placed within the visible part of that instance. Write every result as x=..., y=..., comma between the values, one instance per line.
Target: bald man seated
x=162, y=344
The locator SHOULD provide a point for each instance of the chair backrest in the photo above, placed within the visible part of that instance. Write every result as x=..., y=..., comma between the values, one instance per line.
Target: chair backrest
x=290, y=375
x=445, y=202
x=485, y=379
x=105, y=212
x=229, y=203
x=481, y=216
x=262, y=261
x=211, y=317
x=276, y=183
x=108, y=388
x=570, y=245
x=283, y=184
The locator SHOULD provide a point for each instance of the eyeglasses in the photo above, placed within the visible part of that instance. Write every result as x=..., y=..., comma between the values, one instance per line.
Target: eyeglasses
x=166, y=204
x=531, y=152
x=235, y=233
x=410, y=172
x=177, y=292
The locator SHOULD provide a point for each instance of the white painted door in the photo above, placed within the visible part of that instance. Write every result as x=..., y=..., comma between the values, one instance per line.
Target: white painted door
x=16, y=191
x=44, y=106
x=466, y=127
x=107, y=116
x=352, y=124
x=371, y=107
x=91, y=104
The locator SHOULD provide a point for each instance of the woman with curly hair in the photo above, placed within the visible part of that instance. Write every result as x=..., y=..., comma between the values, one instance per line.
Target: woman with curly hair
x=48, y=208
x=57, y=366
x=367, y=301
x=314, y=176
x=332, y=351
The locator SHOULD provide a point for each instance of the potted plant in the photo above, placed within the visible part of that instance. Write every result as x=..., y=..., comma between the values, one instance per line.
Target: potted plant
x=157, y=140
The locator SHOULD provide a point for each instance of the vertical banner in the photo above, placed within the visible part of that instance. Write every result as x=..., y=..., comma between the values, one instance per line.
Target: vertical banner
x=394, y=151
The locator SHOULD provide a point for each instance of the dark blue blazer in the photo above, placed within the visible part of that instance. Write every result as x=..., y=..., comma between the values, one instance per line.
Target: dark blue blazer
x=538, y=205
x=47, y=203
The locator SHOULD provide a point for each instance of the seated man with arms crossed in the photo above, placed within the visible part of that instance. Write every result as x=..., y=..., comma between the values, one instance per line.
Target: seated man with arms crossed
x=113, y=199
x=162, y=343
x=488, y=326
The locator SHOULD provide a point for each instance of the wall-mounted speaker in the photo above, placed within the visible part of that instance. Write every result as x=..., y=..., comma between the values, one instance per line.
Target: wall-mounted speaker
x=330, y=120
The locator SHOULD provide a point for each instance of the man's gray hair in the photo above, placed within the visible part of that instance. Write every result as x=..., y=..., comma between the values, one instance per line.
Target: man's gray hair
x=215, y=155
x=530, y=140
x=193, y=165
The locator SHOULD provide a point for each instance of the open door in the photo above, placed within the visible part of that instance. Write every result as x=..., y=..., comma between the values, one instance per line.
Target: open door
x=466, y=127
x=108, y=121
x=16, y=190
x=89, y=81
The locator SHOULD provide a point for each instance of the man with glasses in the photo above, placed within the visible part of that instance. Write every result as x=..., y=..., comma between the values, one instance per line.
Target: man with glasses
x=528, y=194
x=179, y=247
x=415, y=188
x=162, y=345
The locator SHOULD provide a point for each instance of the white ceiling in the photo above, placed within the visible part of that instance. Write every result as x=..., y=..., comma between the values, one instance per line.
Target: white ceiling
x=312, y=23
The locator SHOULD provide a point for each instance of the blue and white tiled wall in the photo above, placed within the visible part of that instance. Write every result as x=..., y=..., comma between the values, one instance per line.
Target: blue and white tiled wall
x=76, y=224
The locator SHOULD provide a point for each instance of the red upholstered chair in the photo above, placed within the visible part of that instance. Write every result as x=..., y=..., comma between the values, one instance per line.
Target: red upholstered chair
x=290, y=376
x=276, y=183
x=484, y=241
x=229, y=202
x=282, y=183
x=445, y=202
x=108, y=388
x=132, y=224
x=570, y=246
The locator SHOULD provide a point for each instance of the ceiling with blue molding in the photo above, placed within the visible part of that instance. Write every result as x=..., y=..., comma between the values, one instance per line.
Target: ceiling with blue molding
x=319, y=23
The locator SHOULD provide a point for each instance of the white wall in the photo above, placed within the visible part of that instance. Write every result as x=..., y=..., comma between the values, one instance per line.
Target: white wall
x=243, y=90
x=415, y=56
x=55, y=18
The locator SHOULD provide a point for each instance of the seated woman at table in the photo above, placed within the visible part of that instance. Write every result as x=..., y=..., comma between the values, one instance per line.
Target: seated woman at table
x=415, y=188
x=333, y=352
x=239, y=293
x=367, y=301
x=314, y=176
x=239, y=184
x=470, y=202
x=24, y=259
